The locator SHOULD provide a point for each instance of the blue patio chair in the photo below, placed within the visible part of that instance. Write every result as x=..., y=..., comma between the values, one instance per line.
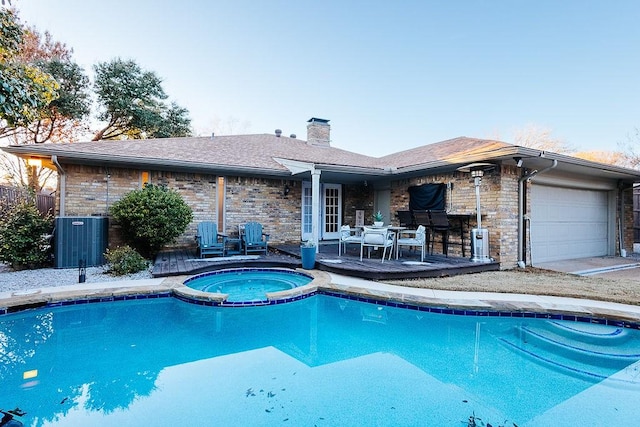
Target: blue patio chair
x=210, y=242
x=254, y=239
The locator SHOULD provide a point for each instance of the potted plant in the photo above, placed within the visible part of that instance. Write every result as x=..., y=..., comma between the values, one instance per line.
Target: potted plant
x=308, y=254
x=378, y=219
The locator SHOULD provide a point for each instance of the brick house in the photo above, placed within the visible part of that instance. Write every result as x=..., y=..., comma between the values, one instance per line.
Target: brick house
x=538, y=206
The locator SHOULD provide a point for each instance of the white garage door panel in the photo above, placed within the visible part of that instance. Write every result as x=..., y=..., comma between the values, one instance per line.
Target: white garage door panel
x=568, y=223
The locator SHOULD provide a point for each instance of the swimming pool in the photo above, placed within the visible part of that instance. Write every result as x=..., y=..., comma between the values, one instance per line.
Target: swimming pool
x=248, y=284
x=322, y=360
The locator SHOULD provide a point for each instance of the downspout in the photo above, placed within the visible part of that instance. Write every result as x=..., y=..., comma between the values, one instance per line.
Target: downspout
x=527, y=177
x=62, y=183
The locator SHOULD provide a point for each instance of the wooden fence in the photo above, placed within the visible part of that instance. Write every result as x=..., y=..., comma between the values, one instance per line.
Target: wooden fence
x=45, y=203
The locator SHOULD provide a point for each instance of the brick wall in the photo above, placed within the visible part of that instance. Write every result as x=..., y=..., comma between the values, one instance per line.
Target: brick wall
x=356, y=197
x=499, y=208
x=629, y=234
x=92, y=190
x=263, y=200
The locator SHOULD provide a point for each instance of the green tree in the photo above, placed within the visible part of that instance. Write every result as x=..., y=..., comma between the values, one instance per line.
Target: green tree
x=24, y=88
x=24, y=236
x=59, y=120
x=132, y=104
x=151, y=218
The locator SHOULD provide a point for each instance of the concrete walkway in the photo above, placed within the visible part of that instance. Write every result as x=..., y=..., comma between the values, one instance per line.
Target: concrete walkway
x=609, y=267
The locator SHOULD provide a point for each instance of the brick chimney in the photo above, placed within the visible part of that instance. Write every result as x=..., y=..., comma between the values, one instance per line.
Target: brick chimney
x=318, y=132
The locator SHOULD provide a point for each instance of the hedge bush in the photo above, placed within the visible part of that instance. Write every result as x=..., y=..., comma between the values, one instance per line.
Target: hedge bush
x=151, y=218
x=25, y=236
x=124, y=260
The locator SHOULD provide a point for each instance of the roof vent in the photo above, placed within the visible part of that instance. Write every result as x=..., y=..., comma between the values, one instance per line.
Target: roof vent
x=212, y=135
x=278, y=133
x=293, y=135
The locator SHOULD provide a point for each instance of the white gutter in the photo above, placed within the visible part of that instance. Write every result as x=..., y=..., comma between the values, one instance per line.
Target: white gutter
x=527, y=177
x=62, y=183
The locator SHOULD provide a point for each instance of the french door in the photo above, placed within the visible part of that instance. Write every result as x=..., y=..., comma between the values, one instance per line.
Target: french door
x=329, y=215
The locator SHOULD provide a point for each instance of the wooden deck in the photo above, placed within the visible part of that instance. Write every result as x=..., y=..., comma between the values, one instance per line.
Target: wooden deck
x=184, y=262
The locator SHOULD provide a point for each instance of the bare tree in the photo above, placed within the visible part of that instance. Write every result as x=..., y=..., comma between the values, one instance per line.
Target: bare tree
x=631, y=149
x=540, y=138
x=616, y=158
x=229, y=126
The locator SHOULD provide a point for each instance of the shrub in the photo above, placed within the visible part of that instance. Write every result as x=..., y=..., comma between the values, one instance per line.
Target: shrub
x=125, y=260
x=151, y=217
x=25, y=236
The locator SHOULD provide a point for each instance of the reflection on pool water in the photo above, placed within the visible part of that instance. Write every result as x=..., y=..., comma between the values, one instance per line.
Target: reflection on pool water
x=322, y=361
x=248, y=284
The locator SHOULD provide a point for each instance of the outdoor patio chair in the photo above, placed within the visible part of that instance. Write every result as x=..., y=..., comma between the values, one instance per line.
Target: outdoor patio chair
x=421, y=218
x=405, y=219
x=210, y=242
x=439, y=224
x=414, y=238
x=254, y=239
x=376, y=238
x=347, y=236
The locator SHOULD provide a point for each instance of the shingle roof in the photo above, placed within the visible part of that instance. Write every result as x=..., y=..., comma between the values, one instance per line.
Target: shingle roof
x=242, y=151
x=452, y=150
x=258, y=151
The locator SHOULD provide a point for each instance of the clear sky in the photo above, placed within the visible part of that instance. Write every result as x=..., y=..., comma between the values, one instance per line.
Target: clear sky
x=390, y=75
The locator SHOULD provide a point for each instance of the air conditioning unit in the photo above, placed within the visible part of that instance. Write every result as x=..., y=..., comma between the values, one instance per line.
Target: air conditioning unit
x=80, y=238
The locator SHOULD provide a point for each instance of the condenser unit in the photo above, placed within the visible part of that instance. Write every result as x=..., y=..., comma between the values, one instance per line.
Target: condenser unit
x=80, y=238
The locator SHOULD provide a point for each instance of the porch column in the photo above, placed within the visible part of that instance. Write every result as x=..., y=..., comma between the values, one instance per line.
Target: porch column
x=315, y=205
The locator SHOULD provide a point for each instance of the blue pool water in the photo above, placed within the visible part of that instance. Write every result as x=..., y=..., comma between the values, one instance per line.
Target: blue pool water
x=322, y=361
x=247, y=284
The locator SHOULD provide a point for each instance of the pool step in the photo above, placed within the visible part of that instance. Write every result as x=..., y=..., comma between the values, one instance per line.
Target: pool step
x=587, y=349
x=580, y=346
x=589, y=332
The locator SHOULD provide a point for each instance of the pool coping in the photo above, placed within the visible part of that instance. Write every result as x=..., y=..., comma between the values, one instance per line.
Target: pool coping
x=439, y=301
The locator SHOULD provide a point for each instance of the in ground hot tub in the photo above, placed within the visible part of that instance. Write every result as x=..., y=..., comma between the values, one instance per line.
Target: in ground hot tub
x=248, y=284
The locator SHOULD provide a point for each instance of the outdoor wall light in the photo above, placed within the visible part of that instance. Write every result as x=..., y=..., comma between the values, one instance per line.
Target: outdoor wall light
x=32, y=161
x=286, y=190
x=518, y=161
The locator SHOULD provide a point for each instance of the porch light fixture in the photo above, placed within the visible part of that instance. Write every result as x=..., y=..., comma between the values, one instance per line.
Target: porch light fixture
x=34, y=162
x=286, y=190
x=479, y=235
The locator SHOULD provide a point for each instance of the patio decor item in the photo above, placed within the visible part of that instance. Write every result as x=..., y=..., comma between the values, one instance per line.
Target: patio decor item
x=308, y=254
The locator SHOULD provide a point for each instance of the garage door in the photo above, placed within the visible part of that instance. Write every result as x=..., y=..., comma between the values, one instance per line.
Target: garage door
x=568, y=223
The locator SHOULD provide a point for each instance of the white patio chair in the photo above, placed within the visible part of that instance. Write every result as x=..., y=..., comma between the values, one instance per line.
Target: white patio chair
x=375, y=238
x=418, y=238
x=346, y=237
